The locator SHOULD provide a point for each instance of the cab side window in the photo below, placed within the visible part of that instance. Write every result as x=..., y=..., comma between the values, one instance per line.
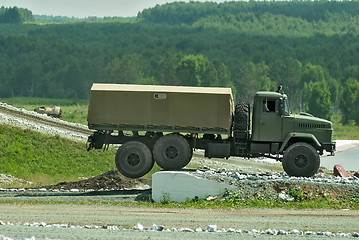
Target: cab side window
x=268, y=105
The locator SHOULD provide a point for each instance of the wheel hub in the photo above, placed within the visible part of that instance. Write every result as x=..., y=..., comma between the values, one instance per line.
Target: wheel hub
x=133, y=159
x=301, y=161
x=171, y=152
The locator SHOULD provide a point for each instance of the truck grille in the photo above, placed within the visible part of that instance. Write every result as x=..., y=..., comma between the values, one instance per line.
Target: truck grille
x=310, y=125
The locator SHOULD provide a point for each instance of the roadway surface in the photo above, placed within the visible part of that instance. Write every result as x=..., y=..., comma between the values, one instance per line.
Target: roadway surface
x=347, y=156
x=321, y=220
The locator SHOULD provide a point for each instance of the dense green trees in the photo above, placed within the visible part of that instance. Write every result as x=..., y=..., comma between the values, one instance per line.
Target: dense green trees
x=196, y=71
x=15, y=15
x=310, y=48
x=350, y=100
x=189, y=13
x=317, y=97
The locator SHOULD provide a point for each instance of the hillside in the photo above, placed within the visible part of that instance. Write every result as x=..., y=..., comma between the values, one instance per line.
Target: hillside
x=308, y=47
x=48, y=159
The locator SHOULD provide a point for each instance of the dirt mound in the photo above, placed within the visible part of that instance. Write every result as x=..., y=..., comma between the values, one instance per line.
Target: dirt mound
x=108, y=180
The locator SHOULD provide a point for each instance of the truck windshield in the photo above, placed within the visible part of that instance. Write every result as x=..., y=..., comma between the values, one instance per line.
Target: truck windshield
x=286, y=107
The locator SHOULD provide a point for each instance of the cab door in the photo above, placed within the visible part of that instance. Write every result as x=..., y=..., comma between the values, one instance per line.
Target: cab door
x=270, y=120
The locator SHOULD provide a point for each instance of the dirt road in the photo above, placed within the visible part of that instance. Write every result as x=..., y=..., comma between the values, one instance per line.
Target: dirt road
x=315, y=220
x=246, y=219
x=42, y=120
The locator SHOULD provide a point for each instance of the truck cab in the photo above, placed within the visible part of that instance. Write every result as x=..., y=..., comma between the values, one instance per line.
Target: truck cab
x=273, y=122
x=267, y=124
x=275, y=128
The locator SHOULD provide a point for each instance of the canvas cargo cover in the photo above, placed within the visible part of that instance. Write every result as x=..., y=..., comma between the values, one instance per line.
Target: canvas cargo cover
x=160, y=108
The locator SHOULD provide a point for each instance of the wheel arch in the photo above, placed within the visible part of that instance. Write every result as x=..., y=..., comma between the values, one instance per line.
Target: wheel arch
x=300, y=137
x=188, y=138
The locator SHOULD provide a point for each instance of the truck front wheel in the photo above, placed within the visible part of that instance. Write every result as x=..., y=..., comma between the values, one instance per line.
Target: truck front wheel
x=172, y=152
x=301, y=160
x=134, y=159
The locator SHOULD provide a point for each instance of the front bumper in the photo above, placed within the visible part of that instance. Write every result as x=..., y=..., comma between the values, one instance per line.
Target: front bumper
x=330, y=147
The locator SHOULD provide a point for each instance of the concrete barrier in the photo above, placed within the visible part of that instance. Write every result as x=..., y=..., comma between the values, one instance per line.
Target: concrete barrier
x=178, y=186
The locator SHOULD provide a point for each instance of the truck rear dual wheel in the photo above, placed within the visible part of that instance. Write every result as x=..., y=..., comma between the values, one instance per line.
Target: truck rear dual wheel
x=301, y=160
x=172, y=152
x=134, y=159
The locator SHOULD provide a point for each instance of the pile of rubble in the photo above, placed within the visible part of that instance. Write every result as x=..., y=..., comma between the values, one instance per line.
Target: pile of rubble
x=111, y=180
x=274, y=185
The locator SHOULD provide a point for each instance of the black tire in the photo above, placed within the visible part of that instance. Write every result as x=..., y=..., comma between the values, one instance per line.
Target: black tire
x=134, y=159
x=241, y=122
x=301, y=160
x=172, y=152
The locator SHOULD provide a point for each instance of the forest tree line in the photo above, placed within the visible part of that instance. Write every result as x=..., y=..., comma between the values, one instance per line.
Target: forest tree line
x=310, y=48
x=14, y=15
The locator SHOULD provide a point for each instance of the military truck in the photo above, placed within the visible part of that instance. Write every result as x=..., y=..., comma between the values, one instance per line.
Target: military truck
x=163, y=124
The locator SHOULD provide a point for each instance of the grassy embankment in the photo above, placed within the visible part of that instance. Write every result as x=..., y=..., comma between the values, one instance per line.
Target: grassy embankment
x=45, y=159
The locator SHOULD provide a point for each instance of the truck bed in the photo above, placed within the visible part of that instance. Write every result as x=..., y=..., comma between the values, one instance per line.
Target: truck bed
x=160, y=108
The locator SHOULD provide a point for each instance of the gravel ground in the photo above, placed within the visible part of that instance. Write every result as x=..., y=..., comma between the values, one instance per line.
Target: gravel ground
x=17, y=232
x=57, y=221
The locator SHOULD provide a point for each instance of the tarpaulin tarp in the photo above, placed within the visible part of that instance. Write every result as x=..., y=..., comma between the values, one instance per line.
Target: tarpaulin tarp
x=162, y=106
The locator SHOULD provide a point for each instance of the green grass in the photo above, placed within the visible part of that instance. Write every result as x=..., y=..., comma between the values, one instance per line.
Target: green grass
x=46, y=159
x=344, y=132
x=301, y=200
x=237, y=203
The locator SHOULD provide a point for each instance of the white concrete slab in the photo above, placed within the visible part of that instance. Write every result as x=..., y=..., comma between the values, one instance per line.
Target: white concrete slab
x=178, y=186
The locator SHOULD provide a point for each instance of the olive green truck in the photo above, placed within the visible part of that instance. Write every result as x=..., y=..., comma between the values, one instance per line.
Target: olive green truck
x=163, y=124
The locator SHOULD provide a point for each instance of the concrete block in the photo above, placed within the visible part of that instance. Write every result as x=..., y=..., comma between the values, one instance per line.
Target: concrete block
x=178, y=186
x=339, y=171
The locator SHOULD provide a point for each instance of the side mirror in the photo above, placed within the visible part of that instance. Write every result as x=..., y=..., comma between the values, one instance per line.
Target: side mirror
x=278, y=107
